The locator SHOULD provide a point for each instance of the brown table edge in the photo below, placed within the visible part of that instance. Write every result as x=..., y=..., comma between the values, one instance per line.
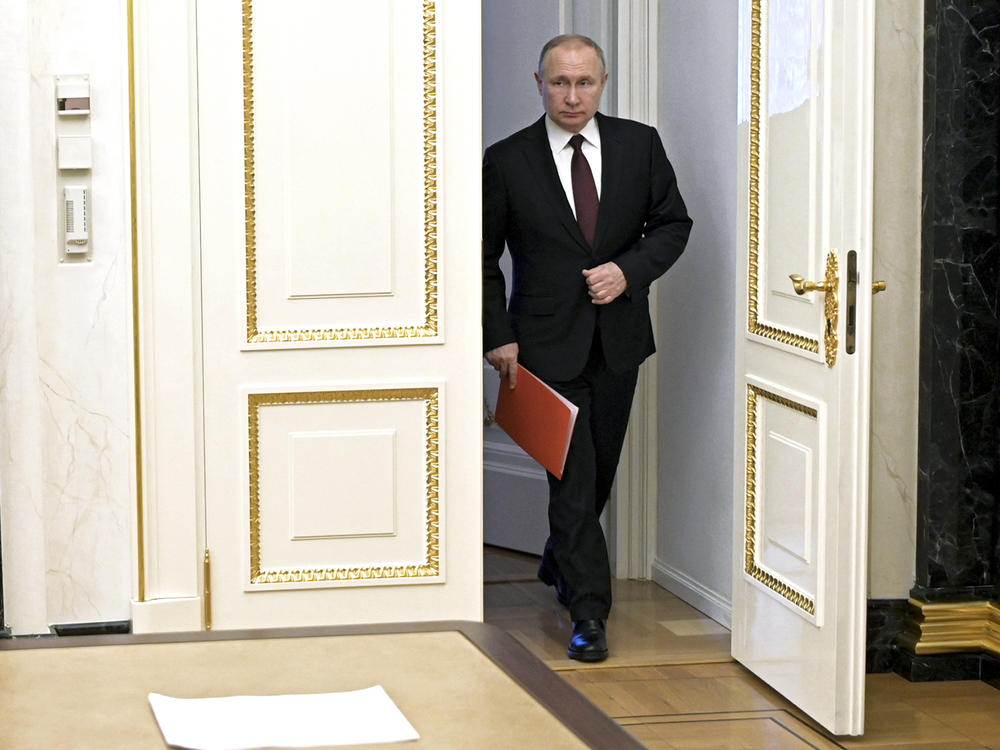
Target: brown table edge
x=566, y=703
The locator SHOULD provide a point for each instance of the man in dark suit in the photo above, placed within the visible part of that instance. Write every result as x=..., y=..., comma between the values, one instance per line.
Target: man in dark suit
x=589, y=209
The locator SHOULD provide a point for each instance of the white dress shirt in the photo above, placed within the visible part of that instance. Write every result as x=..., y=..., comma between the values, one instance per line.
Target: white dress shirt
x=562, y=152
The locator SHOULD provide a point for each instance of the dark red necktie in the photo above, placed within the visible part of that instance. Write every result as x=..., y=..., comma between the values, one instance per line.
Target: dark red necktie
x=584, y=190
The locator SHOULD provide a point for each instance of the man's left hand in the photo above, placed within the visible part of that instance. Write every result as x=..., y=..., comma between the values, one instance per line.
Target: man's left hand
x=605, y=283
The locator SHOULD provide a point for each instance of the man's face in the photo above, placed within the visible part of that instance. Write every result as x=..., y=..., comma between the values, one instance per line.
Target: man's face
x=571, y=85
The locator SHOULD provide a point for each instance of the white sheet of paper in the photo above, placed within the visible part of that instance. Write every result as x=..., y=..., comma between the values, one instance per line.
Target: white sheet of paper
x=251, y=721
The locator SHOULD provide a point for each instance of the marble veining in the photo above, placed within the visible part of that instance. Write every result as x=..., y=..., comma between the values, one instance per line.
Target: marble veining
x=86, y=512
x=902, y=495
x=959, y=514
x=66, y=455
x=897, y=137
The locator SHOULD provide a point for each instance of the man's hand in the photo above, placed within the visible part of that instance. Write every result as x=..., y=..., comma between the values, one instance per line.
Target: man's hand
x=504, y=360
x=605, y=283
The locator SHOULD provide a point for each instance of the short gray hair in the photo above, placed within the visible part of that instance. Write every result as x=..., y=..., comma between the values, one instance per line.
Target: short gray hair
x=576, y=40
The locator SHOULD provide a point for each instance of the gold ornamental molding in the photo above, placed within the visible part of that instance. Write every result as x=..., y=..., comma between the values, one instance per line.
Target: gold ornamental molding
x=140, y=504
x=754, y=325
x=952, y=627
x=429, y=566
x=831, y=309
x=429, y=327
x=750, y=566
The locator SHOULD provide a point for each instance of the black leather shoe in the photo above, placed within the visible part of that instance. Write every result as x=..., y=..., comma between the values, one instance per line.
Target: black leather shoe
x=589, y=642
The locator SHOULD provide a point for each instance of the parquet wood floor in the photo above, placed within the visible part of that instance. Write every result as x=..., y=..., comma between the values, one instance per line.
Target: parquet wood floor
x=671, y=681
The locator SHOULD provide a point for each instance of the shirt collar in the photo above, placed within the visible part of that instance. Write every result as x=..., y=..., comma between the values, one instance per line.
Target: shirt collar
x=559, y=138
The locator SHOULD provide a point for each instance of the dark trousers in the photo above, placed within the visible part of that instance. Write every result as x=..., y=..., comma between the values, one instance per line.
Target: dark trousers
x=576, y=552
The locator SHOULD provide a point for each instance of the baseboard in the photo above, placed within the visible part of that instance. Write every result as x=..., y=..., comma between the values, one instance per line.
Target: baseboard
x=182, y=614
x=509, y=459
x=702, y=598
x=935, y=641
x=946, y=667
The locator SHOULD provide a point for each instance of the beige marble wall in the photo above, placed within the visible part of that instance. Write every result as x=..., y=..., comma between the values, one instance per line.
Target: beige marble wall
x=69, y=420
x=898, y=135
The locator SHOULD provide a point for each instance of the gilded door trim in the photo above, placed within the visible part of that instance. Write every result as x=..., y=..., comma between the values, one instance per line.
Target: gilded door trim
x=750, y=566
x=428, y=567
x=754, y=325
x=429, y=326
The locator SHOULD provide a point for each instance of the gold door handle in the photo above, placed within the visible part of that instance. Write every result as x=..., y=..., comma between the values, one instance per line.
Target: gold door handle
x=878, y=286
x=802, y=286
x=831, y=306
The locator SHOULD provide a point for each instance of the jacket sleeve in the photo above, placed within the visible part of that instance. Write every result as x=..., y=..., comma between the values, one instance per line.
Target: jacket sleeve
x=497, y=330
x=666, y=228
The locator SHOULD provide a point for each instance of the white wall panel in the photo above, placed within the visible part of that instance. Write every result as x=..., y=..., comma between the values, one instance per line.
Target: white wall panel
x=899, y=36
x=697, y=118
x=65, y=348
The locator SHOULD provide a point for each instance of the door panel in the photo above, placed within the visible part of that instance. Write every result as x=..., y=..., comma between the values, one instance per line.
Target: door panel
x=335, y=233
x=339, y=200
x=802, y=399
x=380, y=522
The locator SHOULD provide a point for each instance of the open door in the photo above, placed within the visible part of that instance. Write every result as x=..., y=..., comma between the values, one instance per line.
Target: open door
x=802, y=352
x=340, y=178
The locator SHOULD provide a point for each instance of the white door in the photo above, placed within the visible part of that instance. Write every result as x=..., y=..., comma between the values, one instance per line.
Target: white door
x=340, y=166
x=803, y=360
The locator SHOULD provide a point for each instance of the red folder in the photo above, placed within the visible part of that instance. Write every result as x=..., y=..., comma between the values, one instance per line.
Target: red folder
x=538, y=418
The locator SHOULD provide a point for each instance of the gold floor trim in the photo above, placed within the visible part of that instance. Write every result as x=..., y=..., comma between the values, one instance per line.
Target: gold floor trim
x=428, y=567
x=751, y=567
x=754, y=325
x=953, y=627
x=429, y=326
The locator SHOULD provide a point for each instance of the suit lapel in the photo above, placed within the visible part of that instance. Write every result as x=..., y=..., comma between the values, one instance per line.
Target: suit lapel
x=543, y=169
x=611, y=176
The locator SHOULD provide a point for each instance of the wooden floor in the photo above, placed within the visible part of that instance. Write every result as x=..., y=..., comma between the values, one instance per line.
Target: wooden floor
x=671, y=681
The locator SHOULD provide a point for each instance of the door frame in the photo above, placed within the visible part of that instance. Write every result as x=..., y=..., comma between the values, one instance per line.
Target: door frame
x=637, y=495
x=168, y=516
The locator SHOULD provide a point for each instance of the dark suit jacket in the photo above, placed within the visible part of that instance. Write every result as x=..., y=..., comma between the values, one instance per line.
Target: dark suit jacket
x=642, y=226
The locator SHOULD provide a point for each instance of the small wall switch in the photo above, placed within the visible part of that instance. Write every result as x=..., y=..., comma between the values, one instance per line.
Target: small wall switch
x=74, y=152
x=76, y=221
x=73, y=95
